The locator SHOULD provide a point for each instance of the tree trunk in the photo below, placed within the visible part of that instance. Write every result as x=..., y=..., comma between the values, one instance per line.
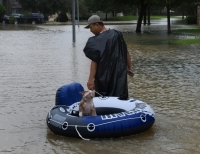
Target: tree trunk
x=106, y=16
x=183, y=14
x=168, y=19
x=145, y=15
x=113, y=13
x=141, y=14
x=148, y=12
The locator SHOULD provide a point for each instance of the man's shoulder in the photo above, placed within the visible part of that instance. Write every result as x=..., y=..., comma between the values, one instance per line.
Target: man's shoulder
x=114, y=31
x=91, y=38
x=110, y=32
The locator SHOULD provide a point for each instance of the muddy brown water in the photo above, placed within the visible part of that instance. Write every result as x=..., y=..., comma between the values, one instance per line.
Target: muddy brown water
x=36, y=60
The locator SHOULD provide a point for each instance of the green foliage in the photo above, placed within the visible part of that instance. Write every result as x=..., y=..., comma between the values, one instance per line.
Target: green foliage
x=62, y=17
x=128, y=7
x=48, y=7
x=191, y=20
x=45, y=6
x=83, y=11
x=115, y=6
x=2, y=10
x=29, y=5
x=12, y=20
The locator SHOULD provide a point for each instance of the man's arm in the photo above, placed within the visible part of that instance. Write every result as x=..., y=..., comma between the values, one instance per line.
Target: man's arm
x=129, y=65
x=93, y=69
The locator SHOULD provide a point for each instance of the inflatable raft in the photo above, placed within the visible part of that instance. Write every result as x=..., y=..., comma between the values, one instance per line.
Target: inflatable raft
x=115, y=117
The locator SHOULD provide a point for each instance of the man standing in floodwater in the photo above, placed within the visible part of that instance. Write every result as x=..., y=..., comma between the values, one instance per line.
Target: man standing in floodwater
x=110, y=60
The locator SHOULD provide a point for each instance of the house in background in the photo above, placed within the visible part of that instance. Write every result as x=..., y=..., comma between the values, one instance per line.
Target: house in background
x=12, y=6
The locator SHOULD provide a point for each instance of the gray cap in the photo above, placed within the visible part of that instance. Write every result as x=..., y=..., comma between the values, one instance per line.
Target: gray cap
x=93, y=19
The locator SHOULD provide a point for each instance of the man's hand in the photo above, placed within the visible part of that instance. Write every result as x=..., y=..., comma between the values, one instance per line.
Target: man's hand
x=90, y=84
x=93, y=69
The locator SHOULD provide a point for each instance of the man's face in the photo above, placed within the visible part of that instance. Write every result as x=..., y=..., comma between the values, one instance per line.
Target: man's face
x=94, y=28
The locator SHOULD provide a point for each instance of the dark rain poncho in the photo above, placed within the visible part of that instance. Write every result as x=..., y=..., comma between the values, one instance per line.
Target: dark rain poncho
x=109, y=51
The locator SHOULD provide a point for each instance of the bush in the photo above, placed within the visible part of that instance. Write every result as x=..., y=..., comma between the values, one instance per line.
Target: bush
x=62, y=17
x=191, y=20
x=12, y=20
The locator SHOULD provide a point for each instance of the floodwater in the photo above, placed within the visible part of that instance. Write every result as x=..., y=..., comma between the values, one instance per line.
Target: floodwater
x=36, y=60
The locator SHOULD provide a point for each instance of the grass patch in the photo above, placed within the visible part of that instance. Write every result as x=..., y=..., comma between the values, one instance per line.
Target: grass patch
x=186, y=31
x=186, y=41
x=123, y=18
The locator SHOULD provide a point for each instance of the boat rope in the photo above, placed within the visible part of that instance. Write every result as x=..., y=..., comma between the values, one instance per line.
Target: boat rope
x=80, y=134
x=98, y=93
x=101, y=96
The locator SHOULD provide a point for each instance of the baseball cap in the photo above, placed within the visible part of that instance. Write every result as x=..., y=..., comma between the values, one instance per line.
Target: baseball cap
x=93, y=19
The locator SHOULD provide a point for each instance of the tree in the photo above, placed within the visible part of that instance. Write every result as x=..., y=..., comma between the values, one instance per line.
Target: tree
x=45, y=6
x=53, y=6
x=29, y=5
x=103, y=5
x=50, y=6
x=144, y=6
x=2, y=10
x=113, y=6
x=188, y=7
x=83, y=9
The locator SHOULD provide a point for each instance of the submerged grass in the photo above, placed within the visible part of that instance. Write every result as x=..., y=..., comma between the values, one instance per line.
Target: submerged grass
x=185, y=41
x=179, y=31
x=129, y=18
x=123, y=18
x=193, y=31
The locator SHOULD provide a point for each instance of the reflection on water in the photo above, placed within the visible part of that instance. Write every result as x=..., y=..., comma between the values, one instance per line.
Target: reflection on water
x=36, y=62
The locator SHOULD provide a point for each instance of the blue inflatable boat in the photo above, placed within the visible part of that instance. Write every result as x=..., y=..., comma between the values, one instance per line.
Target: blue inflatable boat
x=115, y=117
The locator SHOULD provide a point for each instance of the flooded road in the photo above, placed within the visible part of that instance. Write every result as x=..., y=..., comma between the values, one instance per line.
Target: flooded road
x=36, y=61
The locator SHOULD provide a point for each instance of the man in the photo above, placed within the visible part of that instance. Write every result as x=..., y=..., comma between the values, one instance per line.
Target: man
x=110, y=60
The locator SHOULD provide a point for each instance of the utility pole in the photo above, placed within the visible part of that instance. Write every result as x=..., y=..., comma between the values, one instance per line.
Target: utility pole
x=73, y=22
x=77, y=3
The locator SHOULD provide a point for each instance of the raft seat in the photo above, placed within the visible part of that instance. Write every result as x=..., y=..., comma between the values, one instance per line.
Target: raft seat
x=69, y=94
